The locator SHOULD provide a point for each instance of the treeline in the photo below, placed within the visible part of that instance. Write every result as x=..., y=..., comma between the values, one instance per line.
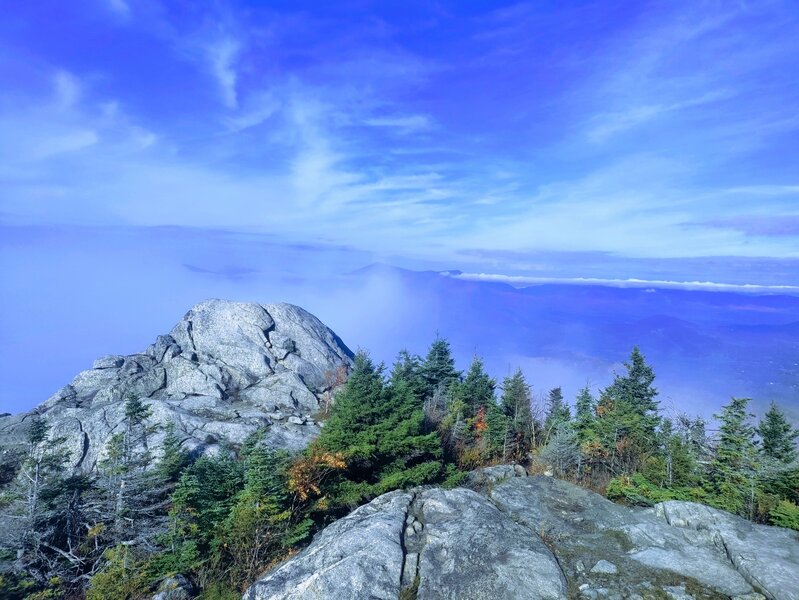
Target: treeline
x=216, y=522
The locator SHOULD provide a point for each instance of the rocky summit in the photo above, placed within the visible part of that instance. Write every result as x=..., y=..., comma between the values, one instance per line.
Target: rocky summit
x=513, y=536
x=225, y=370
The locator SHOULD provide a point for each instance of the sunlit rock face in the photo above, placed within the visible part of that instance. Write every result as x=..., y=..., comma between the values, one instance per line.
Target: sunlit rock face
x=509, y=536
x=225, y=370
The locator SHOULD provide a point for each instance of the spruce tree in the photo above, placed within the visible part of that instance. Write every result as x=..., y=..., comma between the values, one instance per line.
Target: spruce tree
x=734, y=468
x=562, y=450
x=515, y=404
x=635, y=388
x=173, y=458
x=558, y=412
x=778, y=437
x=584, y=415
x=379, y=429
x=408, y=369
x=32, y=525
x=477, y=388
x=438, y=369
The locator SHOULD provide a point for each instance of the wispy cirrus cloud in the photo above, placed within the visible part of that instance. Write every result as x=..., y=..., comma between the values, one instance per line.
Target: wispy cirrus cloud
x=222, y=55
x=643, y=139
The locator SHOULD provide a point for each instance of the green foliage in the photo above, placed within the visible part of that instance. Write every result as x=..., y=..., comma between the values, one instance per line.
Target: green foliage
x=438, y=369
x=785, y=514
x=635, y=391
x=224, y=519
x=558, y=411
x=562, y=450
x=638, y=490
x=778, y=437
x=408, y=369
x=733, y=470
x=16, y=586
x=123, y=577
x=379, y=429
x=617, y=433
x=636, y=385
x=673, y=464
x=231, y=516
x=203, y=499
x=515, y=402
x=477, y=388
x=585, y=415
x=174, y=458
x=220, y=591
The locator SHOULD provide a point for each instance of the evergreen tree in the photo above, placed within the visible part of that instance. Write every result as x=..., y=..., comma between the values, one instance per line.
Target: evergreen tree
x=379, y=429
x=562, y=450
x=584, y=415
x=558, y=412
x=32, y=523
x=674, y=464
x=173, y=458
x=438, y=369
x=778, y=437
x=635, y=389
x=515, y=404
x=623, y=436
x=477, y=388
x=734, y=468
x=627, y=419
x=693, y=432
x=133, y=496
x=260, y=525
x=408, y=369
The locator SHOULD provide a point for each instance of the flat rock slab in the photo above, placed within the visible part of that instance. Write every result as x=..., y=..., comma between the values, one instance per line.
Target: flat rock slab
x=768, y=557
x=586, y=529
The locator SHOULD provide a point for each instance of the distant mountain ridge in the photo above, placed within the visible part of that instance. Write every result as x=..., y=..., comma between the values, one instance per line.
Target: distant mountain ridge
x=705, y=345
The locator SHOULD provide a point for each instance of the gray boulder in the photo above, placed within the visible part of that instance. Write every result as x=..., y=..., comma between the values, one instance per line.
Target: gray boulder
x=520, y=537
x=469, y=549
x=177, y=587
x=226, y=369
x=585, y=528
x=359, y=556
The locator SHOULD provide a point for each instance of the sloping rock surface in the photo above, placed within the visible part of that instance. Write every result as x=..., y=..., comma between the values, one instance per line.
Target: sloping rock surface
x=519, y=537
x=226, y=369
x=441, y=543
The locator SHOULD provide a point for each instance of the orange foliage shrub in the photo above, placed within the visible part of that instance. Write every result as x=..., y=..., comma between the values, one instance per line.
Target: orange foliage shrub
x=309, y=471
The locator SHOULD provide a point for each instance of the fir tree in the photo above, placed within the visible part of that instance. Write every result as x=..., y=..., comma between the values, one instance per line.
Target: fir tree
x=515, y=404
x=562, y=450
x=557, y=412
x=635, y=388
x=477, y=388
x=408, y=369
x=173, y=458
x=438, y=369
x=379, y=429
x=778, y=437
x=584, y=415
x=734, y=467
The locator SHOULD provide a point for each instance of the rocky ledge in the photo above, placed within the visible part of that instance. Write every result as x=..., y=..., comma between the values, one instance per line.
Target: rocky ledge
x=510, y=536
x=225, y=369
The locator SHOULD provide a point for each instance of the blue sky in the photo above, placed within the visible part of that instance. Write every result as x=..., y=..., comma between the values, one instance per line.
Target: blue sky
x=239, y=141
